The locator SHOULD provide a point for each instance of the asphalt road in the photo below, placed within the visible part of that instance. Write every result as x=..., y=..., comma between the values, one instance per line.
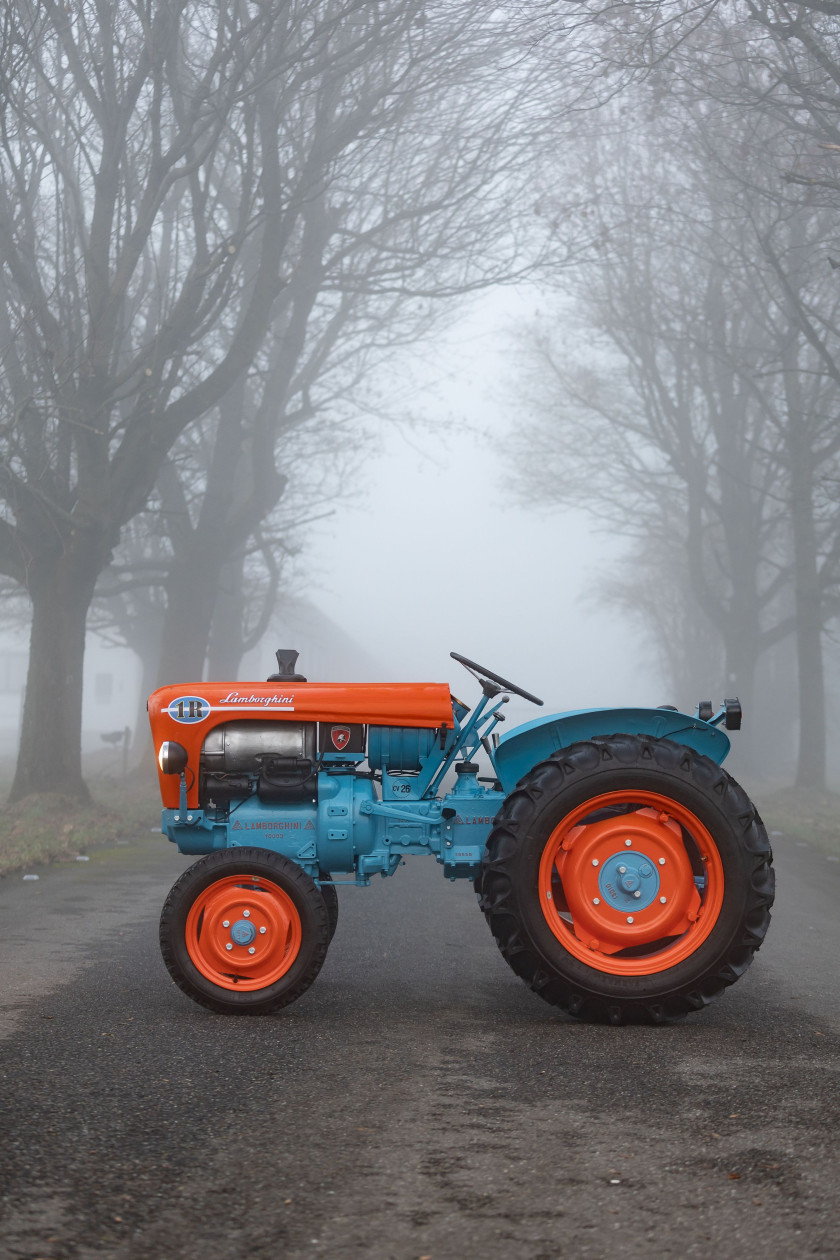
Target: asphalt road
x=417, y=1102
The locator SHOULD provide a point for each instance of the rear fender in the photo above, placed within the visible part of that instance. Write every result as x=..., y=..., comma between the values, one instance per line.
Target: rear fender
x=520, y=749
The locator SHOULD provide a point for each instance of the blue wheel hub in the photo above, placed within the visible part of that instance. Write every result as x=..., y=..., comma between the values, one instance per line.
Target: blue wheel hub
x=243, y=932
x=629, y=880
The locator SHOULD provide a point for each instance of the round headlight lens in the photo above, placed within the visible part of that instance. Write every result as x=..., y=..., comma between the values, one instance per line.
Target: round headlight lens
x=172, y=757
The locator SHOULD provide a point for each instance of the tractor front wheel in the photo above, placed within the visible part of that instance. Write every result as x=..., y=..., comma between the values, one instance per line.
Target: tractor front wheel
x=628, y=879
x=244, y=931
x=328, y=892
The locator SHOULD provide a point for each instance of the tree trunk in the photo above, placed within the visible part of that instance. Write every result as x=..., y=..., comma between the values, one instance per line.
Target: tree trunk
x=226, y=644
x=811, y=768
x=49, y=757
x=190, y=599
x=202, y=550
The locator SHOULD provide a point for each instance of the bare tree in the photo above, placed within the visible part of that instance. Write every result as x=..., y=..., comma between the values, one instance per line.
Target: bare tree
x=162, y=171
x=714, y=436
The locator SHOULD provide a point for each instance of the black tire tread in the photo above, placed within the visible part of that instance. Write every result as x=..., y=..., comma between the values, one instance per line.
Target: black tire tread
x=578, y=762
x=330, y=895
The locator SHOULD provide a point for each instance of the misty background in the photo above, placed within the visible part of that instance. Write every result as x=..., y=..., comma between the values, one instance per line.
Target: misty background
x=381, y=330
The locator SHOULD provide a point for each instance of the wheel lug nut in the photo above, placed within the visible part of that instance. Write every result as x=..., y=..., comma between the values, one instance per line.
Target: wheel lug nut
x=228, y=946
x=629, y=918
x=663, y=900
x=252, y=950
x=262, y=931
x=226, y=923
x=628, y=843
x=594, y=861
x=637, y=893
x=661, y=861
x=246, y=914
x=622, y=869
x=596, y=901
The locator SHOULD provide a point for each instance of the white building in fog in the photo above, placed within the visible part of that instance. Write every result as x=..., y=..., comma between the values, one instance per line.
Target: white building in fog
x=112, y=680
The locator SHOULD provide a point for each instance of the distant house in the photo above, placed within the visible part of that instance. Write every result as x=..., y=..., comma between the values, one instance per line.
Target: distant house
x=13, y=661
x=112, y=680
x=327, y=652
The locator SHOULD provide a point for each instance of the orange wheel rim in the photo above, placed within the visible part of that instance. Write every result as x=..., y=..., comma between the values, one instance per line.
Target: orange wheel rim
x=243, y=932
x=634, y=893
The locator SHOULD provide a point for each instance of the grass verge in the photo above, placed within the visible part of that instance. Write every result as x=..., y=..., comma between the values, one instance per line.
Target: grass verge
x=803, y=815
x=48, y=827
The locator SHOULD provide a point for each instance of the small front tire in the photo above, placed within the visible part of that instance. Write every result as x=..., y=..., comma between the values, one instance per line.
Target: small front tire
x=244, y=931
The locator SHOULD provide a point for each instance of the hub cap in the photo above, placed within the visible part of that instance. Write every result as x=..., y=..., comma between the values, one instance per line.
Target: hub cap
x=628, y=881
x=635, y=892
x=243, y=932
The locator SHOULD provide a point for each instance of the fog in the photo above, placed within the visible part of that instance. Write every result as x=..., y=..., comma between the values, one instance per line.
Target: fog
x=423, y=327
x=435, y=553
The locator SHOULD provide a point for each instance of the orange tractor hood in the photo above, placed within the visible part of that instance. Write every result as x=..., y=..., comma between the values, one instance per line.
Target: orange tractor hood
x=187, y=711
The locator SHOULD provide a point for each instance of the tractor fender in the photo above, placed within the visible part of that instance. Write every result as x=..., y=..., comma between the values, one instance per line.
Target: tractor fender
x=520, y=749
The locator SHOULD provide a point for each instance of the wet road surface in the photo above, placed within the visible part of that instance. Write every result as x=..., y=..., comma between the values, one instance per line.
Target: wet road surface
x=417, y=1102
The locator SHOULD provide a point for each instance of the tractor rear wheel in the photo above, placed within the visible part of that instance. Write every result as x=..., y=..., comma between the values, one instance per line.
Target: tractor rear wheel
x=628, y=879
x=244, y=931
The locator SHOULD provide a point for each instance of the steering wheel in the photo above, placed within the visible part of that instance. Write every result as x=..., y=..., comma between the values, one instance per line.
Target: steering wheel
x=473, y=667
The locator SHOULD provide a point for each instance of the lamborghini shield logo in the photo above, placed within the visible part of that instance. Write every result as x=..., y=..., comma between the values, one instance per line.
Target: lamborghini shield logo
x=340, y=737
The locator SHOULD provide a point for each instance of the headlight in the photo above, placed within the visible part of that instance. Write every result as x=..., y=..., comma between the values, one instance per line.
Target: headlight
x=172, y=757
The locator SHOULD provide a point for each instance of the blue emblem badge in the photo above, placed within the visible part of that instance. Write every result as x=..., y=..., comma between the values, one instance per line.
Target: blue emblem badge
x=188, y=709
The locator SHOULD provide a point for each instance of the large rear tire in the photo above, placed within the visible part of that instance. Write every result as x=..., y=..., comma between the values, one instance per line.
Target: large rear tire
x=628, y=879
x=244, y=931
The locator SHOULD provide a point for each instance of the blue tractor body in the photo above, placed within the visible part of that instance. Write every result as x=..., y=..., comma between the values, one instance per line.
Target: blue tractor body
x=361, y=823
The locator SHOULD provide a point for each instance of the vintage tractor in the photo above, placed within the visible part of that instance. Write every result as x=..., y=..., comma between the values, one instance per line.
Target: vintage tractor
x=623, y=873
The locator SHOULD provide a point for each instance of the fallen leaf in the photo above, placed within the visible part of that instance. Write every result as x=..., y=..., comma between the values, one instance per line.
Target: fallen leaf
x=734, y=1176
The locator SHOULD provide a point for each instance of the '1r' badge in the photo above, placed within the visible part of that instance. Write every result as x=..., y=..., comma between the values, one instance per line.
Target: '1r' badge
x=340, y=736
x=188, y=709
